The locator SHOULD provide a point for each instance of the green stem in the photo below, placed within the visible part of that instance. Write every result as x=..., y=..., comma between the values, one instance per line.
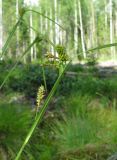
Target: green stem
x=5, y=47
x=40, y=115
x=99, y=47
x=44, y=78
x=41, y=14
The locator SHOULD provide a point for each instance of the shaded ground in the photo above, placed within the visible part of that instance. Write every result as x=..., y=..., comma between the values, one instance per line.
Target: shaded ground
x=103, y=70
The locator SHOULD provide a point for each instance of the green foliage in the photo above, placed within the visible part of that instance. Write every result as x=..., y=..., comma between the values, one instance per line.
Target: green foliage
x=75, y=132
x=82, y=127
x=88, y=84
x=40, y=114
x=15, y=121
x=85, y=128
x=27, y=78
x=91, y=59
x=14, y=125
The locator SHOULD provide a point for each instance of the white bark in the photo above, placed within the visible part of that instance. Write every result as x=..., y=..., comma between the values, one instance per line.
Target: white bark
x=59, y=21
x=116, y=24
x=93, y=25
x=76, y=27
x=51, y=31
x=46, y=22
x=1, y=27
x=82, y=31
x=31, y=3
x=31, y=35
x=56, y=26
x=41, y=22
x=106, y=15
x=111, y=29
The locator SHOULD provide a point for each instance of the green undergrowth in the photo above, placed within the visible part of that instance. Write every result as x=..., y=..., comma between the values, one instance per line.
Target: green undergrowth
x=26, y=79
x=80, y=123
x=15, y=121
x=86, y=126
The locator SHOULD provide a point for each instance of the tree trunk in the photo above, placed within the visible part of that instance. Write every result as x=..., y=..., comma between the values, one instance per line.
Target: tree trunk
x=1, y=27
x=76, y=28
x=51, y=32
x=111, y=29
x=116, y=24
x=93, y=26
x=31, y=35
x=56, y=29
x=106, y=15
x=82, y=31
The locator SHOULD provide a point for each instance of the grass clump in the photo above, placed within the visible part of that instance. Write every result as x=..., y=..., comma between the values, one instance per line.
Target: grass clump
x=14, y=124
x=86, y=127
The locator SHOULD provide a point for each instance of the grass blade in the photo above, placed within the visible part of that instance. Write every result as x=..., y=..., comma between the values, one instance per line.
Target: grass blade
x=40, y=115
x=41, y=14
x=5, y=47
x=100, y=47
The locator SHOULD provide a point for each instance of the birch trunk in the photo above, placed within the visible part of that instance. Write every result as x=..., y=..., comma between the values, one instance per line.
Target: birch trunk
x=111, y=29
x=116, y=24
x=93, y=25
x=82, y=31
x=1, y=27
x=51, y=31
x=106, y=16
x=76, y=28
x=56, y=29
x=31, y=35
x=41, y=21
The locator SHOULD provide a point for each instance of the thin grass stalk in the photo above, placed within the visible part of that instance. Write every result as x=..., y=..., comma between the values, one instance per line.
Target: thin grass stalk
x=99, y=47
x=5, y=47
x=43, y=72
x=102, y=47
x=44, y=38
x=40, y=114
x=41, y=14
x=44, y=78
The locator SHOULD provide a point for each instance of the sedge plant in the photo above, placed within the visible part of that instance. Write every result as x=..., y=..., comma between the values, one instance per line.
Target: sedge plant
x=62, y=65
x=44, y=107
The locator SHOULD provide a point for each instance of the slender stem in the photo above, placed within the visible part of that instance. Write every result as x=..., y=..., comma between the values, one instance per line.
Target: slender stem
x=41, y=14
x=44, y=38
x=99, y=47
x=40, y=115
x=44, y=78
x=5, y=47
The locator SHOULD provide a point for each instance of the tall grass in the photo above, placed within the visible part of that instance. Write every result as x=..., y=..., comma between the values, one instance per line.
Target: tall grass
x=86, y=129
x=15, y=121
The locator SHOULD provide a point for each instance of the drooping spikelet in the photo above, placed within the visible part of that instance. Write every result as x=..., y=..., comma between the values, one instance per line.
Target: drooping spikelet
x=40, y=96
x=49, y=55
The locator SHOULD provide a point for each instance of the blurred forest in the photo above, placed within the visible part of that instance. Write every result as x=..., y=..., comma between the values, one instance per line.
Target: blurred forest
x=85, y=24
